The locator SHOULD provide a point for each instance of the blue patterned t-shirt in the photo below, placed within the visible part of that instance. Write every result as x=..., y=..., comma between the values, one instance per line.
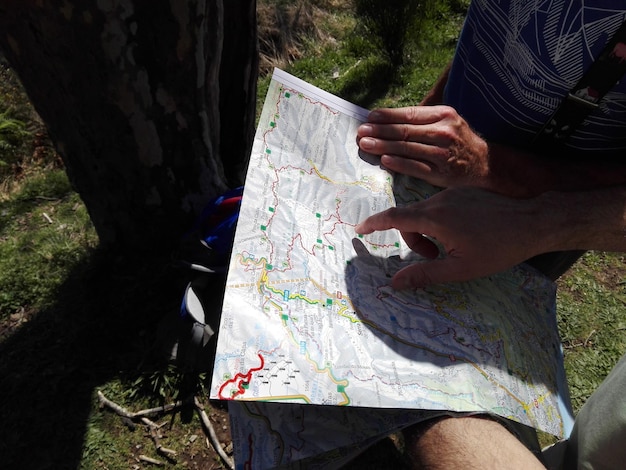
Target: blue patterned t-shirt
x=517, y=59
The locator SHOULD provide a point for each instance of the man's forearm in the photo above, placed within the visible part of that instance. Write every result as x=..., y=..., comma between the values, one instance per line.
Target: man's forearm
x=588, y=220
x=521, y=173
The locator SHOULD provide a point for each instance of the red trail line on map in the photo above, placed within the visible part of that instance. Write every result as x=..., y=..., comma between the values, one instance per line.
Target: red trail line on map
x=242, y=378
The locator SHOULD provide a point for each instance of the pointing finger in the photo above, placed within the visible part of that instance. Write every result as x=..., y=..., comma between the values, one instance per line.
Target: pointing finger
x=385, y=220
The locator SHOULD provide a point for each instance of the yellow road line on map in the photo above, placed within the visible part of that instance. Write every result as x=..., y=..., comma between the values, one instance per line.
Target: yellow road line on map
x=527, y=408
x=265, y=281
x=326, y=370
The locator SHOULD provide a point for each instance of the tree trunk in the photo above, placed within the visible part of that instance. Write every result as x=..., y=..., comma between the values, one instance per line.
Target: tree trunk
x=150, y=103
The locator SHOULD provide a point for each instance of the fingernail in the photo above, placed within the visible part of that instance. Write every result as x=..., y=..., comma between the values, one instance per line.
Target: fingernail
x=365, y=129
x=366, y=143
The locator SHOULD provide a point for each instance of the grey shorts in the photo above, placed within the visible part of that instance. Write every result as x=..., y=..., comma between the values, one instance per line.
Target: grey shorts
x=598, y=439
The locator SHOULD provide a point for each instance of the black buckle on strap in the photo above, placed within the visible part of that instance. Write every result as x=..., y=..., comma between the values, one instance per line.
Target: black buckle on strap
x=581, y=102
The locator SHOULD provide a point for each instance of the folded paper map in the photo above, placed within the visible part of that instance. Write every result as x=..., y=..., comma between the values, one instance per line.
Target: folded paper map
x=317, y=354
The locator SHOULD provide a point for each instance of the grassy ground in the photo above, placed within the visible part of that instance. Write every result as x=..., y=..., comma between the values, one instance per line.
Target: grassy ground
x=73, y=321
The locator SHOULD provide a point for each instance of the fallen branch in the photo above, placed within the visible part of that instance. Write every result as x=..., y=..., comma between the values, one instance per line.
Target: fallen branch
x=145, y=458
x=153, y=427
x=104, y=401
x=156, y=438
x=585, y=344
x=217, y=445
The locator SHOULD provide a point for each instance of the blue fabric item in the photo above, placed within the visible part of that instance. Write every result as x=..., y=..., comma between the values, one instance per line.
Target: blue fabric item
x=207, y=246
x=218, y=221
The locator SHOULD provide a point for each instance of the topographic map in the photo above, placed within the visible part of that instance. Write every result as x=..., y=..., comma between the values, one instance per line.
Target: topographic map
x=317, y=354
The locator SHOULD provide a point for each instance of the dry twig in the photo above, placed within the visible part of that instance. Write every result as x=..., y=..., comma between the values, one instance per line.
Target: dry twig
x=145, y=458
x=153, y=427
x=156, y=437
x=217, y=445
x=104, y=401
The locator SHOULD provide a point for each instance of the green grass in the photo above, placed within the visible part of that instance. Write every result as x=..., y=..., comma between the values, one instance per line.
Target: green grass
x=45, y=232
x=347, y=61
x=591, y=307
x=354, y=68
x=68, y=310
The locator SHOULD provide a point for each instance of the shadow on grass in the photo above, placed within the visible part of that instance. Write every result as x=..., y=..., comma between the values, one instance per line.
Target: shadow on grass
x=104, y=322
x=364, y=86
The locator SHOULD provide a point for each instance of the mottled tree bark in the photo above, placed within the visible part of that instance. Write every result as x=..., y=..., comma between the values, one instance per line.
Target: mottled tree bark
x=150, y=103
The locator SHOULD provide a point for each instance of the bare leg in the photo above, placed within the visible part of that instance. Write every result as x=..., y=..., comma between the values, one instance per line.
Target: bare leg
x=470, y=442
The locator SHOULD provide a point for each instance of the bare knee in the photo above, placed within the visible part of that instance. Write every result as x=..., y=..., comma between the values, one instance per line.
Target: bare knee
x=468, y=443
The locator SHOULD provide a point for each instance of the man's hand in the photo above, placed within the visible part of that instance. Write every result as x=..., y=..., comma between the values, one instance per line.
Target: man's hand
x=435, y=144
x=432, y=143
x=481, y=233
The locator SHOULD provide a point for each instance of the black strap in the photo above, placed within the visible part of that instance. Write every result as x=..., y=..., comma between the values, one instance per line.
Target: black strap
x=584, y=97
